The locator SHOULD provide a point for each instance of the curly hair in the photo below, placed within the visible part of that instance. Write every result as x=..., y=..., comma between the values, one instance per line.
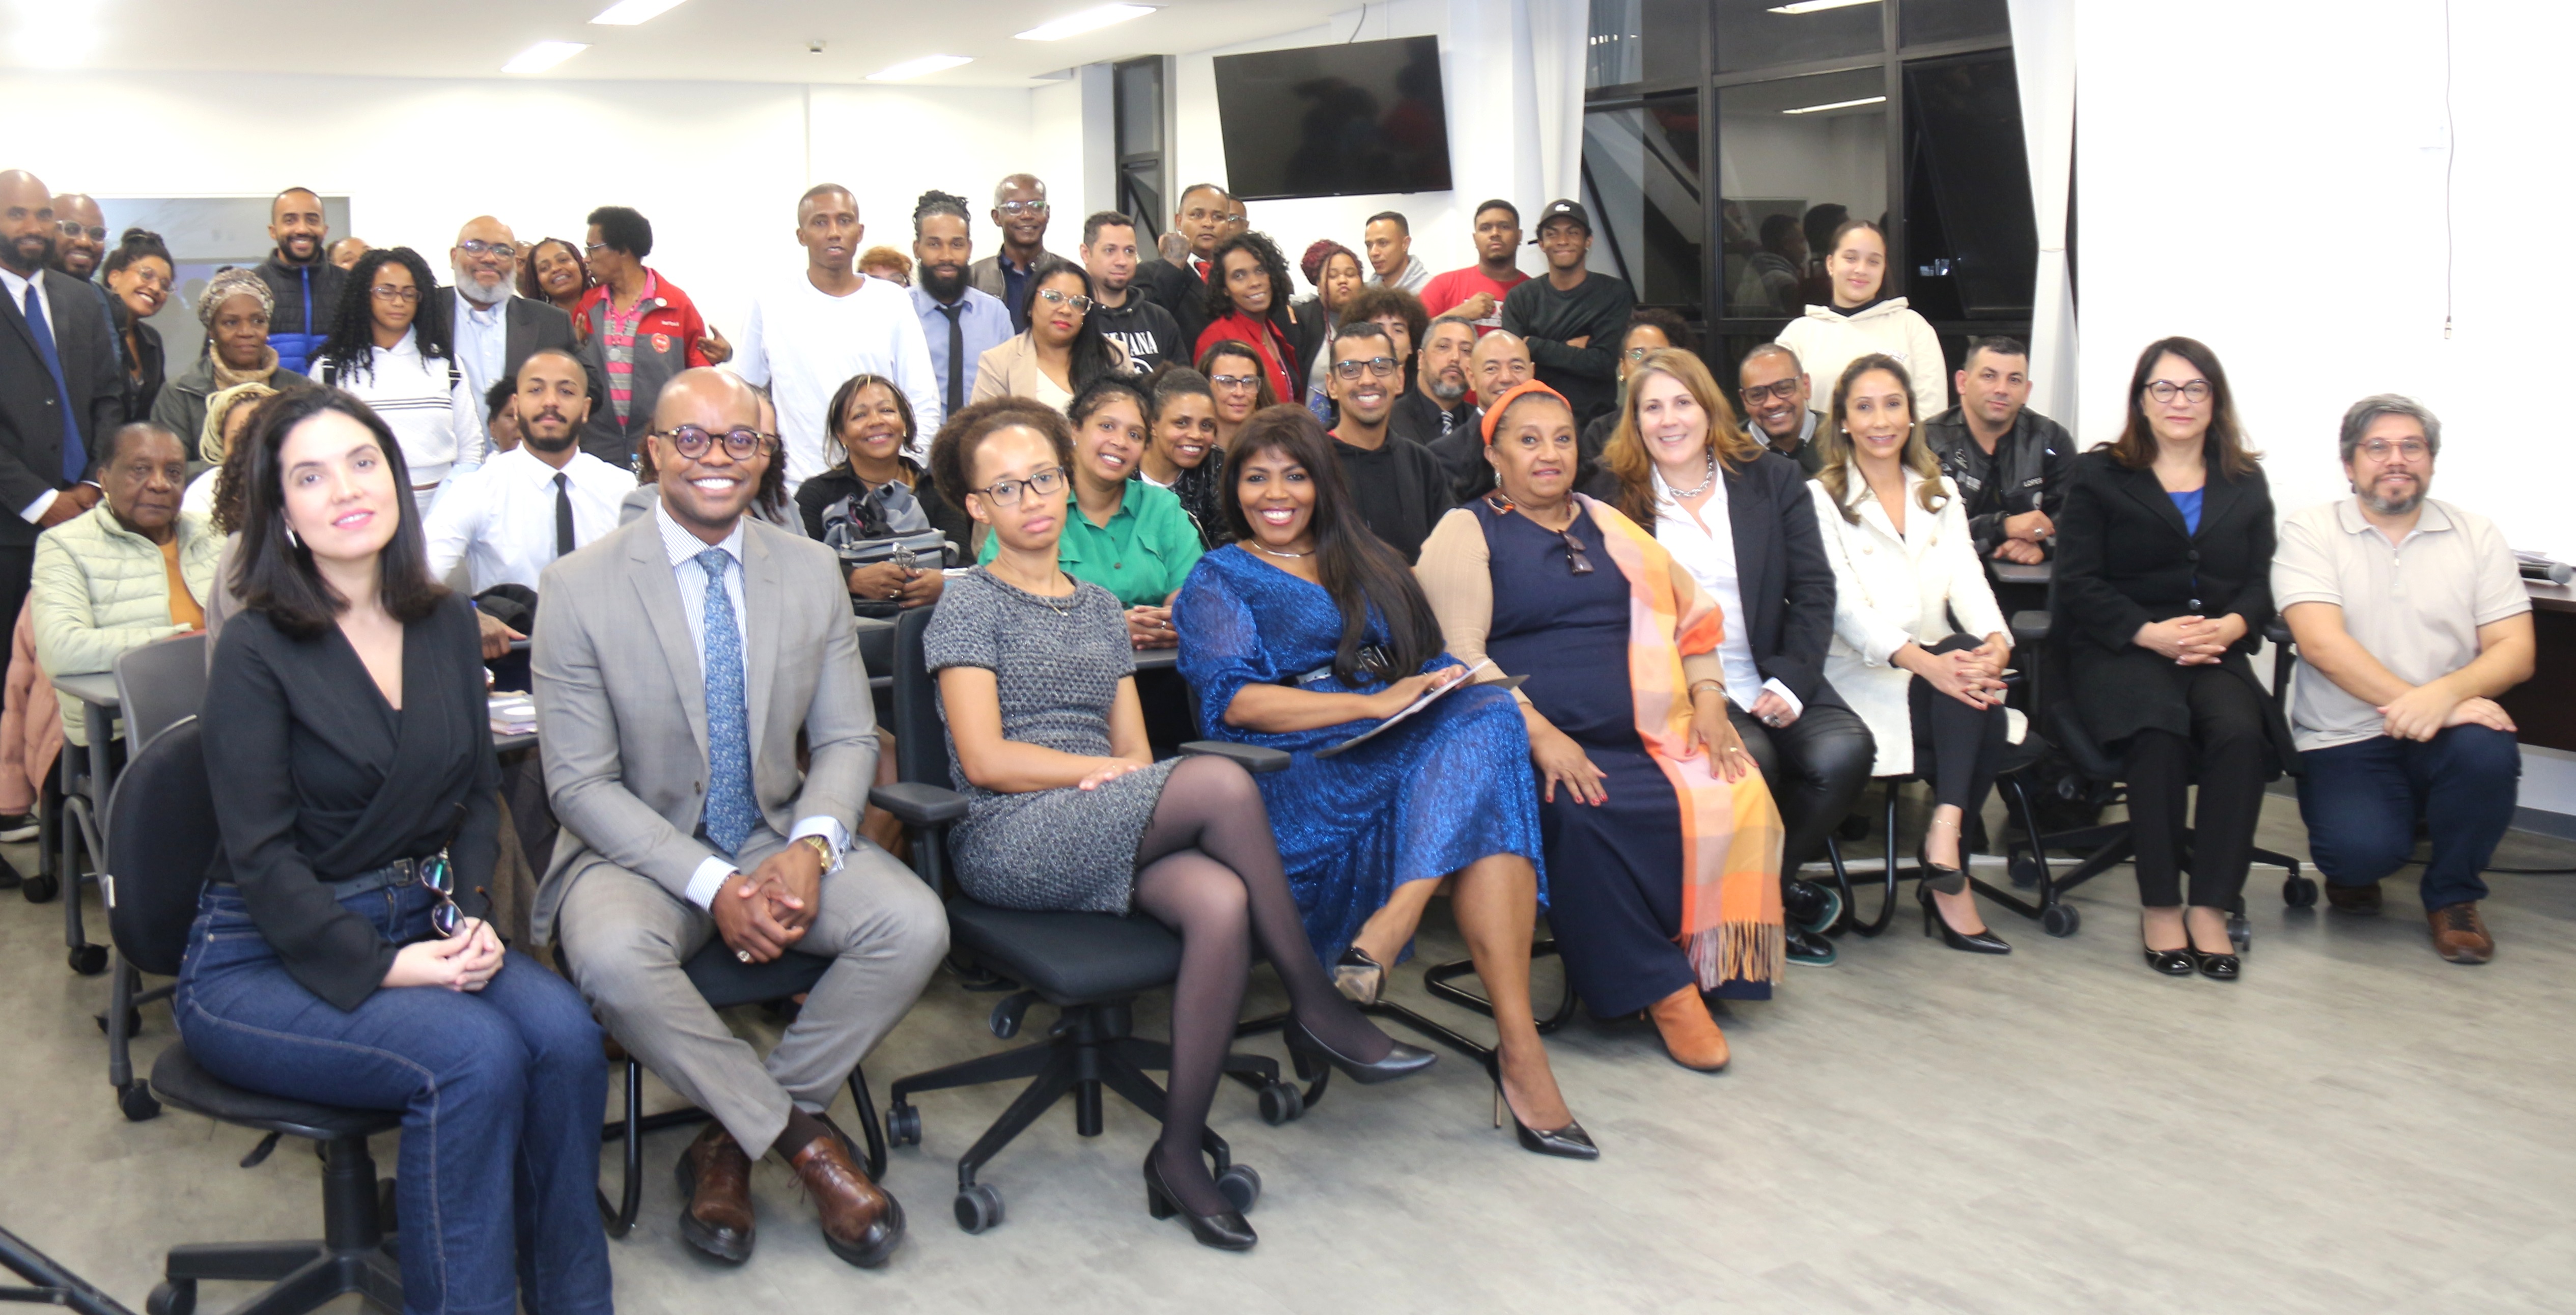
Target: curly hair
x=952, y=454
x=623, y=228
x=1376, y=301
x=352, y=341
x=1675, y=331
x=1220, y=303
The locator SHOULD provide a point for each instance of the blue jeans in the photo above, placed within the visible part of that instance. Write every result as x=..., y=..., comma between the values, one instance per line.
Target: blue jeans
x=2360, y=802
x=501, y=1092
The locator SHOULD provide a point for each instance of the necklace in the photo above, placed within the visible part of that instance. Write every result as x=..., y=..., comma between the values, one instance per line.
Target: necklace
x=1680, y=494
x=1266, y=548
x=1040, y=599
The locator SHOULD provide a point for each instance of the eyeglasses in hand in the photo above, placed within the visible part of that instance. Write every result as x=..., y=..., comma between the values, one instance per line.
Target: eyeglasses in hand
x=1006, y=493
x=477, y=247
x=388, y=292
x=1081, y=304
x=1786, y=390
x=1378, y=365
x=2165, y=390
x=444, y=917
x=742, y=444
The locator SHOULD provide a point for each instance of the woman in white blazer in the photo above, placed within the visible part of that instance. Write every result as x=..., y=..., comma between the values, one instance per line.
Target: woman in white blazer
x=1904, y=564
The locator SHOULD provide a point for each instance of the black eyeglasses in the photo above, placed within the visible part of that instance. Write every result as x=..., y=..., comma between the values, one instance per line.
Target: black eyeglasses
x=475, y=246
x=1786, y=390
x=693, y=441
x=1006, y=492
x=436, y=874
x=1576, y=560
x=2165, y=390
x=1378, y=365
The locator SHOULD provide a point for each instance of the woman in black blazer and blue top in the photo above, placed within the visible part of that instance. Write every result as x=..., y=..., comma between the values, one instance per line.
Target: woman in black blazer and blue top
x=2163, y=586
x=337, y=956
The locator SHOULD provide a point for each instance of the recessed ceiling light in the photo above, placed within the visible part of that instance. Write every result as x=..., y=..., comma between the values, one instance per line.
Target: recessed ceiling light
x=1089, y=20
x=542, y=56
x=1811, y=6
x=628, y=13
x=1836, y=105
x=913, y=68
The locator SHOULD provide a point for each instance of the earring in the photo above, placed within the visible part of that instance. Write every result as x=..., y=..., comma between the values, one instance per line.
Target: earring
x=291, y=540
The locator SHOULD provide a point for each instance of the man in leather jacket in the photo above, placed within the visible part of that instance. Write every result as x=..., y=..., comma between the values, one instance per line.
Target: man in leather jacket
x=2007, y=459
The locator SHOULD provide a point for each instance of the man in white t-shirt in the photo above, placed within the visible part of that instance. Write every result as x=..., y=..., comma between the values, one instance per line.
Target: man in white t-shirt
x=809, y=335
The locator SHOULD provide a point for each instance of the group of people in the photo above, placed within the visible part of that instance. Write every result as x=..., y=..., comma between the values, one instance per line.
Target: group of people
x=1542, y=624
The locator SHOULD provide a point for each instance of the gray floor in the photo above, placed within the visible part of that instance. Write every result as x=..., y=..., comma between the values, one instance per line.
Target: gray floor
x=2356, y=1126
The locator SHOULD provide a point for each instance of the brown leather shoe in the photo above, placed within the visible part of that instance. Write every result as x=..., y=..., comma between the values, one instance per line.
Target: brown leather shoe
x=2362, y=899
x=861, y=1223
x=715, y=1176
x=1690, y=1035
x=2460, y=935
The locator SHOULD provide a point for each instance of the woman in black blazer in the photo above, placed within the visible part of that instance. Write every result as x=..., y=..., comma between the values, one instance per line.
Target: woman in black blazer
x=337, y=956
x=2164, y=584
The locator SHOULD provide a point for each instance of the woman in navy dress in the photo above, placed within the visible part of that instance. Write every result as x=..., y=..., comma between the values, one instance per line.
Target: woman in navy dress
x=1308, y=631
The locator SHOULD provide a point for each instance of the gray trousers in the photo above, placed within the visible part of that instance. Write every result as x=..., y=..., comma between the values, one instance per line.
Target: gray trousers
x=627, y=937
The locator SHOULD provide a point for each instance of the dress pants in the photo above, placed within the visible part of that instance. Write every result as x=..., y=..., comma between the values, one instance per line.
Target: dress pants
x=17, y=576
x=1816, y=766
x=1957, y=748
x=2360, y=802
x=2234, y=756
x=627, y=937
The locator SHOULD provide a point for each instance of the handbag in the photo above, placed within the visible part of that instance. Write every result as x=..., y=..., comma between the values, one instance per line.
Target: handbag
x=880, y=525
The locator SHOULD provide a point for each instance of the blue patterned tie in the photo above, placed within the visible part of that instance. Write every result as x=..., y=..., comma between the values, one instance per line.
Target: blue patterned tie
x=75, y=459
x=731, y=810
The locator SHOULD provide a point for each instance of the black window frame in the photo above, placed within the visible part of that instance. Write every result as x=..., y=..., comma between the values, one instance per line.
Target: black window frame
x=1151, y=166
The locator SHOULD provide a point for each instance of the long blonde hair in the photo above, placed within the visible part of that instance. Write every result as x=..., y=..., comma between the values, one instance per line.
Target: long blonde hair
x=1835, y=447
x=1625, y=453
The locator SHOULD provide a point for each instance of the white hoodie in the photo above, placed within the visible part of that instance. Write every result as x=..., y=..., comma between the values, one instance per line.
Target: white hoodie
x=1827, y=342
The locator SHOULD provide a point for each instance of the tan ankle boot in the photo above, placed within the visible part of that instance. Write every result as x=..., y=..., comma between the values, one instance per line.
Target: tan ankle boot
x=1690, y=1035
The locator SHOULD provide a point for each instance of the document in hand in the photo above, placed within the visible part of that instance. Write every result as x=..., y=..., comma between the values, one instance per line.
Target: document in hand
x=1433, y=695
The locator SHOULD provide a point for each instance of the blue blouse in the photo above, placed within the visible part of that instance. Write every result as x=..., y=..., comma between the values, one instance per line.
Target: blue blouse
x=2189, y=505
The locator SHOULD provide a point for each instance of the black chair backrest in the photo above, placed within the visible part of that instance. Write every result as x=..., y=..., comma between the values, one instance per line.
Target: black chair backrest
x=160, y=837
x=920, y=737
x=160, y=683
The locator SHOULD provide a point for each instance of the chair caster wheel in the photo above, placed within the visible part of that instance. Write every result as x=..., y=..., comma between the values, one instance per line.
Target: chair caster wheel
x=2027, y=871
x=88, y=960
x=41, y=890
x=135, y=1099
x=979, y=1207
x=903, y=1125
x=2299, y=893
x=1241, y=1184
x=174, y=1298
x=2240, y=932
x=2060, y=920
x=1281, y=1102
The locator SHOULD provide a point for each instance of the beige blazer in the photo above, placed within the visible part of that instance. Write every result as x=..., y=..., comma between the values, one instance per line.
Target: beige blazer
x=1010, y=368
x=621, y=705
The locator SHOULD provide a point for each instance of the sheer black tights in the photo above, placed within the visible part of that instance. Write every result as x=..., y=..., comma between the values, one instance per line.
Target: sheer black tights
x=1208, y=868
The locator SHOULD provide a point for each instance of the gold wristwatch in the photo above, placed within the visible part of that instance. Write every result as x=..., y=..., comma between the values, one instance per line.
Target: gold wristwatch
x=822, y=849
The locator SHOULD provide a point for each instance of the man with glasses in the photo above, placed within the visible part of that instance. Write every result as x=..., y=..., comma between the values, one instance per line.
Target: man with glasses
x=1400, y=487
x=1125, y=316
x=1775, y=393
x=809, y=333
x=80, y=243
x=2008, y=460
x=496, y=329
x=1477, y=291
x=302, y=282
x=687, y=820
x=1020, y=212
x=1572, y=318
x=2411, y=620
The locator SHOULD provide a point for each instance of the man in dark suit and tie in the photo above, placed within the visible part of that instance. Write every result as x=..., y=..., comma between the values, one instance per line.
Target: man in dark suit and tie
x=1204, y=219
x=497, y=330
x=61, y=393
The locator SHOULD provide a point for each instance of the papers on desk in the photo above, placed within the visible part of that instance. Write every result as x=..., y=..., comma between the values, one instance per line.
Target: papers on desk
x=514, y=714
x=1437, y=692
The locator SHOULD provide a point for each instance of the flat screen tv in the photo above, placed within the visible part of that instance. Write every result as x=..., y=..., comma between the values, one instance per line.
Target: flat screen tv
x=1343, y=120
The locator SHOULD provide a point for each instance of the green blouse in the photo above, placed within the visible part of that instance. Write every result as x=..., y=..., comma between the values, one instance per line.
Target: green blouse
x=1141, y=555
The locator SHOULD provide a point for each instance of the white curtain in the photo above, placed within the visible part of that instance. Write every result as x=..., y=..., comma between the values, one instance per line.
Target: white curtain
x=2043, y=34
x=1516, y=63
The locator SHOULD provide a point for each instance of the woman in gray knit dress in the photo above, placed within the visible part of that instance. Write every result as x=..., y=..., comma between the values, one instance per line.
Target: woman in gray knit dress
x=1069, y=810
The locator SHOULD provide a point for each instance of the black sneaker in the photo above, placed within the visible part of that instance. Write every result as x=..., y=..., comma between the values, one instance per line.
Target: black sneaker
x=1809, y=949
x=1809, y=904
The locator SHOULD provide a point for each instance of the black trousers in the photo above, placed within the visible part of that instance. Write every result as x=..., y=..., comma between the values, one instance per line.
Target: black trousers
x=2228, y=741
x=17, y=575
x=1957, y=748
x=1816, y=766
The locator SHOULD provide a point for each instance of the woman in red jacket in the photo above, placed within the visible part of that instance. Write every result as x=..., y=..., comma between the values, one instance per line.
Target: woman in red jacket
x=1247, y=301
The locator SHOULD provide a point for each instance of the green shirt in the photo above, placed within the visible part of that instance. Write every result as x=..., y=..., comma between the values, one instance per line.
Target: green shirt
x=1141, y=555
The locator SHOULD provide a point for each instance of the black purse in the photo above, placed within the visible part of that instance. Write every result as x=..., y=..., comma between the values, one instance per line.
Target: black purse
x=885, y=524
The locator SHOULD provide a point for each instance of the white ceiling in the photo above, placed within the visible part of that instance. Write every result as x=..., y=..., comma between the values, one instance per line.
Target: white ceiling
x=702, y=40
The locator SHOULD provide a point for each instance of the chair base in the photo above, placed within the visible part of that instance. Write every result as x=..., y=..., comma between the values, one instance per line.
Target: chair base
x=354, y=1256
x=619, y=1219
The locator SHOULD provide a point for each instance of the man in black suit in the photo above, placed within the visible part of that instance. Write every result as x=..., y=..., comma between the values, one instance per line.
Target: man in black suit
x=1205, y=218
x=61, y=393
x=495, y=328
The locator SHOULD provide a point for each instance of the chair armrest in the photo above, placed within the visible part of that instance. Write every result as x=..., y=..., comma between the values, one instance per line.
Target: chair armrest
x=2277, y=631
x=915, y=804
x=1260, y=760
x=2030, y=627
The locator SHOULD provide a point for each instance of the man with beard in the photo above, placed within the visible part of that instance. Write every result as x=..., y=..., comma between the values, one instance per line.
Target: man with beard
x=808, y=334
x=1400, y=487
x=496, y=329
x=1125, y=316
x=61, y=394
x=301, y=279
x=2411, y=619
x=960, y=320
x=1020, y=212
x=2008, y=460
x=1441, y=403
x=1775, y=391
x=80, y=242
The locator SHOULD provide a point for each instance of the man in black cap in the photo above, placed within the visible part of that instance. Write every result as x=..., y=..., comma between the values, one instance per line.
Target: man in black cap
x=1573, y=318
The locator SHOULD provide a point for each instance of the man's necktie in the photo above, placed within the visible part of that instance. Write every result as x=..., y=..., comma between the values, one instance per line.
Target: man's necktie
x=563, y=514
x=75, y=458
x=956, y=357
x=731, y=810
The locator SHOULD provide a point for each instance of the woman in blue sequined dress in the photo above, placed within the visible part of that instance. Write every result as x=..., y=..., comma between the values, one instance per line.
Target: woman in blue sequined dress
x=1309, y=631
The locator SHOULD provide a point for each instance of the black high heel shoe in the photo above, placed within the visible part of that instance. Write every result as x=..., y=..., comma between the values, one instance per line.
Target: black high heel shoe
x=1226, y=1231
x=1305, y=1048
x=1570, y=1141
x=1358, y=977
x=1949, y=881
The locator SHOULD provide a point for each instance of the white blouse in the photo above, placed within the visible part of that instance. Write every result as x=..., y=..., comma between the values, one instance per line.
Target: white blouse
x=428, y=403
x=1704, y=543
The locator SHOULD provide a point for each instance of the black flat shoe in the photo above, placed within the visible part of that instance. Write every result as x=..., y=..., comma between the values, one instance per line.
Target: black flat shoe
x=1983, y=942
x=2172, y=963
x=2220, y=967
x=1358, y=977
x=1569, y=1142
x=1226, y=1231
x=1810, y=905
x=1402, y=1061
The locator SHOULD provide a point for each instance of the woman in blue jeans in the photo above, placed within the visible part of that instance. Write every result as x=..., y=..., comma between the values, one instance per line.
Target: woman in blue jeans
x=335, y=956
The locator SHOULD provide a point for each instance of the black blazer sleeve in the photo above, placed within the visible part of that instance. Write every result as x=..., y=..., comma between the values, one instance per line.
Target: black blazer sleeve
x=2262, y=538
x=106, y=385
x=2080, y=587
x=1807, y=625
x=477, y=846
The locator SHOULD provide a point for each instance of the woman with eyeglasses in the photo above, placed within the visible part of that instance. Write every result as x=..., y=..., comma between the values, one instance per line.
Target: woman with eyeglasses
x=1663, y=846
x=1130, y=538
x=1061, y=352
x=234, y=308
x=1183, y=451
x=1650, y=329
x=2163, y=586
x=1247, y=302
x=393, y=347
x=138, y=276
x=1069, y=811
x=1237, y=386
x=1861, y=319
x=1307, y=633
x=340, y=953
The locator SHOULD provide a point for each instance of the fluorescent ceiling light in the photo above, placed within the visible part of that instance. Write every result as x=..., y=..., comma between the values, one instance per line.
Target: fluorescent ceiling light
x=1811, y=6
x=542, y=56
x=59, y=35
x=628, y=13
x=1089, y=20
x=913, y=68
x=1836, y=105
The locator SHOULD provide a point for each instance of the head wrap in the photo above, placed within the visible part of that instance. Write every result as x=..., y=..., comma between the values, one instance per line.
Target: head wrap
x=230, y=283
x=1494, y=412
x=1321, y=253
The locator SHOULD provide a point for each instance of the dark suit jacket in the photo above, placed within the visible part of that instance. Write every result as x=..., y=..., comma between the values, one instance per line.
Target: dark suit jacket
x=533, y=325
x=2124, y=559
x=1178, y=290
x=31, y=426
x=1786, y=579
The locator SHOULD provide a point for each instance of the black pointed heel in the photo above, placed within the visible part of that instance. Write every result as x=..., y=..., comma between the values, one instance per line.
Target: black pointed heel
x=1307, y=1049
x=1949, y=881
x=1225, y=1231
x=1569, y=1142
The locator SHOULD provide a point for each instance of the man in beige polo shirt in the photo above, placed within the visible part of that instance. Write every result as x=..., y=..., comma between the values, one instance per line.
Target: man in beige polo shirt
x=2410, y=618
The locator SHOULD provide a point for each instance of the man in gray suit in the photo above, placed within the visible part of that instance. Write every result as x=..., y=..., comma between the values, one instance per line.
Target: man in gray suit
x=685, y=818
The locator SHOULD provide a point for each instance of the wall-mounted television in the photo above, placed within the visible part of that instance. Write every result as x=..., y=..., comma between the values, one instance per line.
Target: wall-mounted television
x=1343, y=120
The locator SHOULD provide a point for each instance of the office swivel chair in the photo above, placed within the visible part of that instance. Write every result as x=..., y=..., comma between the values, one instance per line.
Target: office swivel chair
x=158, y=685
x=1090, y=966
x=163, y=814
